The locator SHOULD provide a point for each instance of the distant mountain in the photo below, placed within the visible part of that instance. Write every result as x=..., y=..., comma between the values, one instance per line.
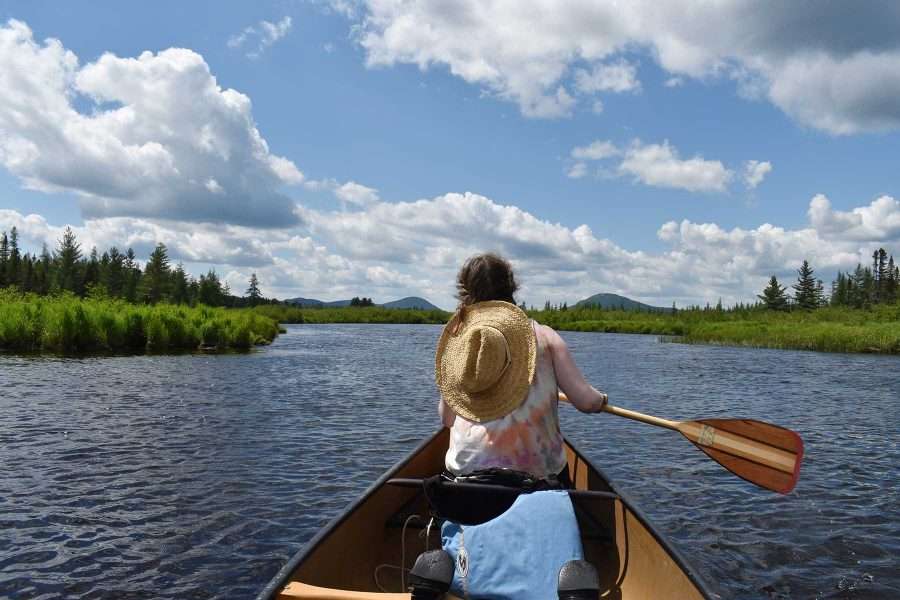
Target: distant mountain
x=615, y=301
x=411, y=302
x=408, y=302
x=336, y=304
x=304, y=302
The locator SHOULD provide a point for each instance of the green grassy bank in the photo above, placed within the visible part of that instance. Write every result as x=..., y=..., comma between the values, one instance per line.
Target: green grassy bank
x=373, y=314
x=68, y=324
x=830, y=329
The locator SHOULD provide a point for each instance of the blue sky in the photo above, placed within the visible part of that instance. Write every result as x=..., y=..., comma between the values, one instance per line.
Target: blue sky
x=383, y=105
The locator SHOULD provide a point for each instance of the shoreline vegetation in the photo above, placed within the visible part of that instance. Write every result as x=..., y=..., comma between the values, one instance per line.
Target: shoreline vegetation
x=67, y=324
x=65, y=302
x=829, y=329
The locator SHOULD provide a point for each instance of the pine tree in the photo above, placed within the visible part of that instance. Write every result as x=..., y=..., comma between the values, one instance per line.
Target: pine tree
x=68, y=260
x=210, y=291
x=805, y=289
x=27, y=280
x=773, y=297
x=179, y=286
x=839, y=290
x=132, y=276
x=860, y=287
x=155, y=283
x=91, y=276
x=891, y=287
x=114, y=274
x=4, y=258
x=253, y=294
x=43, y=272
x=14, y=259
x=821, y=300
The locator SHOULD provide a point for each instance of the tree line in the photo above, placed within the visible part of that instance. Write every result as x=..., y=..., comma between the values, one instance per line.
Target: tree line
x=113, y=274
x=864, y=287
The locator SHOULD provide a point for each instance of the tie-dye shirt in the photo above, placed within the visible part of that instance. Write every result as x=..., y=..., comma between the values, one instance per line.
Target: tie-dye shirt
x=527, y=439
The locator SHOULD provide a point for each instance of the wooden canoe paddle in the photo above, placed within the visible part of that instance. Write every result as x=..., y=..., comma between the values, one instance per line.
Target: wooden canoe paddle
x=763, y=454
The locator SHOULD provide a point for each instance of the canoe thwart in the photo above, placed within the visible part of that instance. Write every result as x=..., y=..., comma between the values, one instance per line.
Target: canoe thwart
x=499, y=489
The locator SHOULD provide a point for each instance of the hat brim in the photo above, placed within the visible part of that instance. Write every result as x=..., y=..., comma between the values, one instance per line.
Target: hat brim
x=512, y=386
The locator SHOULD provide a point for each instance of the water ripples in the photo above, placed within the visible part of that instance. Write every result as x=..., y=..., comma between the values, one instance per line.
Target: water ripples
x=199, y=476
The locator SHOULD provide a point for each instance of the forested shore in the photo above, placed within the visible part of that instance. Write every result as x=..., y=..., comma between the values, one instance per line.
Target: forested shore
x=67, y=302
x=860, y=314
x=829, y=329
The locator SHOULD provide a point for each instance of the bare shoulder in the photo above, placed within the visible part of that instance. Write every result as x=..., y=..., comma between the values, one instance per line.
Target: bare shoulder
x=549, y=336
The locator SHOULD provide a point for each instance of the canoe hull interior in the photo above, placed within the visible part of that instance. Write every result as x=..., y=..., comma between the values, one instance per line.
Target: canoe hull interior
x=633, y=560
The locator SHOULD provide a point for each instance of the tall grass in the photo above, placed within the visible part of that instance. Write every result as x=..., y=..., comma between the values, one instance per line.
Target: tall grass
x=68, y=324
x=374, y=314
x=831, y=329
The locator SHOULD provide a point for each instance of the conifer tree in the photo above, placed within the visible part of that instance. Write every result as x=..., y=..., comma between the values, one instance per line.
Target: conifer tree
x=114, y=274
x=821, y=300
x=179, y=287
x=68, y=261
x=892, y=281
x=253, y=293
x=43, y=272
x=91, y=271
x=773, y=297
x=4, y=258
x=155, y=282
x=13, y=259
x=210, y=291
x=805, y=294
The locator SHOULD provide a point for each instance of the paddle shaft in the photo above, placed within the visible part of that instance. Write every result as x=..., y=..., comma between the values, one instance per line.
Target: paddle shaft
x=633, y=414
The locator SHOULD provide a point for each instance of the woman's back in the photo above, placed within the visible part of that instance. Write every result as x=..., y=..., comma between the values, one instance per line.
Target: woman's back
x=527, y=439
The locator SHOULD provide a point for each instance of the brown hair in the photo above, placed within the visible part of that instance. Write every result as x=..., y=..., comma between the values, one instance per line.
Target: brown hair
x=485, y=277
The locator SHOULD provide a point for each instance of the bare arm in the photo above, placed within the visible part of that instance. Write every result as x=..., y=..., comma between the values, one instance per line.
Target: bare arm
x=446, y=413
x=569, y=377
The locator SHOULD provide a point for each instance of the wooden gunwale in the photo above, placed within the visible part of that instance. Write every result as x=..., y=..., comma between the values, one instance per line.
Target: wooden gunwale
x=282, y=578
x=660, y=537
x=284, y=575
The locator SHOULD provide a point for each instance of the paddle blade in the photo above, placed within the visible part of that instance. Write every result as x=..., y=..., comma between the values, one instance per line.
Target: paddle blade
x=764, y=454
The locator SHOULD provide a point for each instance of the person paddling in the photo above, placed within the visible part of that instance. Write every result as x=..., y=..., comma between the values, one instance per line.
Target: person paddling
x=499, y=373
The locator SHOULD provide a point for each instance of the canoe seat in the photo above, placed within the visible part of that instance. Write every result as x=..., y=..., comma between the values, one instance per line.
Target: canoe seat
x=302, y=591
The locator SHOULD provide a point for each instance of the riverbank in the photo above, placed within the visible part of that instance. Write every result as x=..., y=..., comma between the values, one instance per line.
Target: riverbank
x=829, y=329
x=375, y=314
x=66, y=324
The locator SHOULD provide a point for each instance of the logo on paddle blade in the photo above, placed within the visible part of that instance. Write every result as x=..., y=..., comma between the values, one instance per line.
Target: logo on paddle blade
x=707, y=435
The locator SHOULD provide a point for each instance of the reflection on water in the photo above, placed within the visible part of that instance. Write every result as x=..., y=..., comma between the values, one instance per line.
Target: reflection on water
x=198, y=476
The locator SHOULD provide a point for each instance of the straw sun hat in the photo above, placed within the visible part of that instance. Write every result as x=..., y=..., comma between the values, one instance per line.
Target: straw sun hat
x=485, y=366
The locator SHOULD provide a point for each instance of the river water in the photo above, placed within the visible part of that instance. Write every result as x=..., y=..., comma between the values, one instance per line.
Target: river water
x=198, y=476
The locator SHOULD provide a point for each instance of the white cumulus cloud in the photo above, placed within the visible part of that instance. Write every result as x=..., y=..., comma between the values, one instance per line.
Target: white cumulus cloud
x=659, y=165
x=755, y=171
x=161, y=138
x=390, y=250
x=596, y=150
x=838, y=70
x=619, y=76
x=261, y=36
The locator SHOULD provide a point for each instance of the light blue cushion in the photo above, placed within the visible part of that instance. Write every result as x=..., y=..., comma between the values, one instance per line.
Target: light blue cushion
x=516, y=556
